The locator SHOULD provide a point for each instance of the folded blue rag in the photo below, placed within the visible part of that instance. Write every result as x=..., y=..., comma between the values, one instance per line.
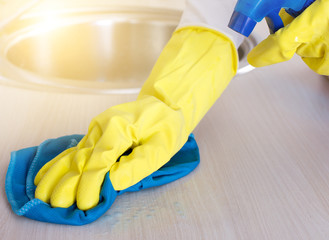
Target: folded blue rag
x=26, y=163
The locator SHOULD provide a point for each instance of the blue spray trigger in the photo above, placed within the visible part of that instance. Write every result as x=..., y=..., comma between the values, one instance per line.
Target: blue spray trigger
x=295, y=14
x=274, y=21
x=247, y=13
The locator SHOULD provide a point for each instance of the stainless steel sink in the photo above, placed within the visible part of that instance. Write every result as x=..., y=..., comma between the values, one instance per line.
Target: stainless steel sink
x=94, y=52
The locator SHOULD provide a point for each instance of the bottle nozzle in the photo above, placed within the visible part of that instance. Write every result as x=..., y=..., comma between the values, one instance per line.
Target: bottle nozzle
x=242, y=23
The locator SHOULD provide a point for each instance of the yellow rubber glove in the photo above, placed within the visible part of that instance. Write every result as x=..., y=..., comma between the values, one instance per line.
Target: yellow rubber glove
x=193, y=70
x=307, y=35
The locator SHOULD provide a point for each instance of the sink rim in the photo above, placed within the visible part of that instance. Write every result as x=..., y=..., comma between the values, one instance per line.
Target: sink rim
x=19, y=77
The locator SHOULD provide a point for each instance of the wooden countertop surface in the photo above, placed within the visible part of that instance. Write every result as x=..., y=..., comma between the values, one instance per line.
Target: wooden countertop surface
x=263, y=174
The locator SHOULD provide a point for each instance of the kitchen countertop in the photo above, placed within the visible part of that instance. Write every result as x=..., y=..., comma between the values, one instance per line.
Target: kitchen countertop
x=263, y=172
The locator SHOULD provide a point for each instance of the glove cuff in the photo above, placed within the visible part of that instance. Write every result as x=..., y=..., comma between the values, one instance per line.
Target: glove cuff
x=211, y=14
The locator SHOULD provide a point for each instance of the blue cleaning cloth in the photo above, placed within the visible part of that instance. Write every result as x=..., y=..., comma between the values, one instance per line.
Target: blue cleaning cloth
x=26, y=163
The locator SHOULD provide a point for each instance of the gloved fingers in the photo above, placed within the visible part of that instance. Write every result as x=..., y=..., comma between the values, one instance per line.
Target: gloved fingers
x=271, y=51
x=57, y=179
x=50, y=179
x=49, y=164
x=282, y=45
x=99, y=163
x=89, y=188
x=64, y=193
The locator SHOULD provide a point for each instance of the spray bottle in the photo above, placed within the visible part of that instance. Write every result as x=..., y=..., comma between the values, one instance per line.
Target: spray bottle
x=248, y=13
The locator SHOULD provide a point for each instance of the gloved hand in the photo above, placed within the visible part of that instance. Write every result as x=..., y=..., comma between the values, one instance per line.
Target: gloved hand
x=307, y=35
x=193, y=70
